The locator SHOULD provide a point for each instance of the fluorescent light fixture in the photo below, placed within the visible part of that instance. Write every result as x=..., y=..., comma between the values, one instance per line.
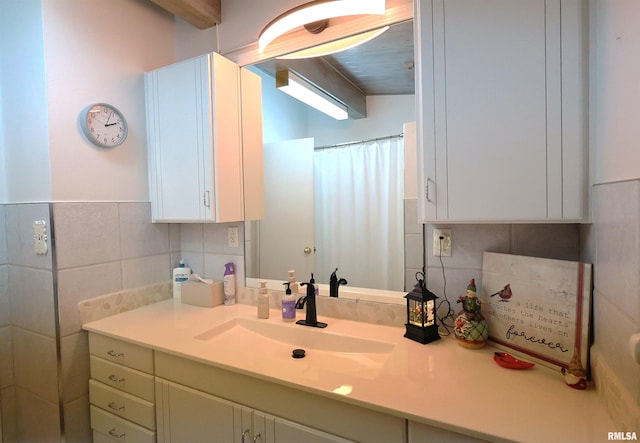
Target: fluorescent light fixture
x=336, y=46
x=315, y=11
x=300, y=89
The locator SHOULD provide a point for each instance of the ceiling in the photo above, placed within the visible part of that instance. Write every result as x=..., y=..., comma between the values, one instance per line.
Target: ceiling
x=383, y=66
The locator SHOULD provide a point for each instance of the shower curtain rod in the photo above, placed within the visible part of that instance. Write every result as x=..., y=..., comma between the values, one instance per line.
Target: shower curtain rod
x=345, y=144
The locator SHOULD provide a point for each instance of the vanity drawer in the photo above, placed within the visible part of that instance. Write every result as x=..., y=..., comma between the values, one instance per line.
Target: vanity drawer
x=122, y=404
x=118, y=429
x=120, y=377
x=121, y=352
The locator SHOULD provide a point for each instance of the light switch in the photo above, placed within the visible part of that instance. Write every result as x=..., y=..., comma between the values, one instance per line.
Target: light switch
x=40, y=237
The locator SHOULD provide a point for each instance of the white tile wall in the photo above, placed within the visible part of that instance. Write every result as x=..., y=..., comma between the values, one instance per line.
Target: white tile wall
x=616, y=230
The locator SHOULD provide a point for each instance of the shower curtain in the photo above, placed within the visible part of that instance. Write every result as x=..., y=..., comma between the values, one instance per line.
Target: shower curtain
x=359, y=213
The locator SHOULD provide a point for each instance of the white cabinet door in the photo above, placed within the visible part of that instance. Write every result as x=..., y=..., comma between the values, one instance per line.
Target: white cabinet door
x=290, y=432
x=421, y=433
x=497, y=127
x=187, y=415
x=194, y=141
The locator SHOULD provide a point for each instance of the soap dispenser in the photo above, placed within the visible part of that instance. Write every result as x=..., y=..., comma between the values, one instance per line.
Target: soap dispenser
x=263, y=300
x=288, y=304
x=293, y=285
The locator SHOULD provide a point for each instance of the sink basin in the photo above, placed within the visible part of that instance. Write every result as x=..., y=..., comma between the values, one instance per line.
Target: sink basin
x=257, y=331
x=268, y=346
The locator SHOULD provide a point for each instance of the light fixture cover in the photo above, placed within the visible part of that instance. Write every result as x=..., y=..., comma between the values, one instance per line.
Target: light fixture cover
x=336, y=46
x=300, y=89
x=315, y=11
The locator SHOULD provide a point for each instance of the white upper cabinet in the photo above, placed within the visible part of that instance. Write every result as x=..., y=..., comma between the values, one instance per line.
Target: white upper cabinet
x=502, y=113
x=195, y=140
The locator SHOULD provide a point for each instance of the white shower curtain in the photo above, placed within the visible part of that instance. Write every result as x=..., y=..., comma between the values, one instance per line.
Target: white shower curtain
x=359, y=213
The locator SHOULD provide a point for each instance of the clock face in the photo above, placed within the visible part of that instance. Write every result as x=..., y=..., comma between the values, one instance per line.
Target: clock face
x=104, y=125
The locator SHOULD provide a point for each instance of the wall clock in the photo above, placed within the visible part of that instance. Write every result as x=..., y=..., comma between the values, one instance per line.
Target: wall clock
x=104, y=125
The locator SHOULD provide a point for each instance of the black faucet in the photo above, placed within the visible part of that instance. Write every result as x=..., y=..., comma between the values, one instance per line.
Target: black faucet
x=310, y=300
x=334, y=284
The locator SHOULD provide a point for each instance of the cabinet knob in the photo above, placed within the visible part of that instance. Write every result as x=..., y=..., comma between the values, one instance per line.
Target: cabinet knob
x=258, y=436
x=115, y=354
x=307, y=250
x=115, y=378
x=245, y=432
x=114, y=433
x=115, y=407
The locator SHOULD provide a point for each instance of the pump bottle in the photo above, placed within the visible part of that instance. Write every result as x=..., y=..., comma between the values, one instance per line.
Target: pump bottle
x=263, y=300
x=288, y=304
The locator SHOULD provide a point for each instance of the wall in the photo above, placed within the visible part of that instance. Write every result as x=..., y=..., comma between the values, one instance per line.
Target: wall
x=88, y=62
x=29, y=376
x=24, y=127
x=613, y=241
x=385, y=116
x=6, y=348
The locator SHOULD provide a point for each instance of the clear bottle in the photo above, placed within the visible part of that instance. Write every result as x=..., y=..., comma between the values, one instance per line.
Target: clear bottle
x=263, y=300
x=288, y=304
x=229, y=281
x=180, y=274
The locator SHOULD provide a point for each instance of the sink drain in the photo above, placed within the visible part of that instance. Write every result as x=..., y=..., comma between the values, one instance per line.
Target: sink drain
x=298, y=353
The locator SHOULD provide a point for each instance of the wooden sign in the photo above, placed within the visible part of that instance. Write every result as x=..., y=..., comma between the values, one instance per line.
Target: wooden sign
x=538, y=307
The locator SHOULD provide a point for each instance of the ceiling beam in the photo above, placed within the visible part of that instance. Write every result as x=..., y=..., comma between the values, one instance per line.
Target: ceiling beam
x=325, y=77
x=202, y=14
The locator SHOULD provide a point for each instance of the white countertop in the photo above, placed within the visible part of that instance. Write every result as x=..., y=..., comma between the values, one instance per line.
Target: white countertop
x=440, y=384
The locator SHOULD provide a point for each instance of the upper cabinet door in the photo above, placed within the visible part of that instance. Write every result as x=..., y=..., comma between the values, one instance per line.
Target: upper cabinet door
x=195, y=141
x=500, y=138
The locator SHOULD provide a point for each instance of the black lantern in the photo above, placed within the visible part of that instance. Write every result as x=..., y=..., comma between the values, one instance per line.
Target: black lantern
x=421, y=314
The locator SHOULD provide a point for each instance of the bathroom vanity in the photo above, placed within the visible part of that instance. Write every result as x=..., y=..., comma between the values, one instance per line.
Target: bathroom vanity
x=225, y=375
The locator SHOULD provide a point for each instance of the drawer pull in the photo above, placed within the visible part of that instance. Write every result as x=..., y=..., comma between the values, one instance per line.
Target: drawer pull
x=115, y=378
x=115, y=354
x=114, y=433
x=115, y=407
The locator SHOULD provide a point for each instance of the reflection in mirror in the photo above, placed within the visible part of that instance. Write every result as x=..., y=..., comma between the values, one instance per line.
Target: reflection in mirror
x=335, y=190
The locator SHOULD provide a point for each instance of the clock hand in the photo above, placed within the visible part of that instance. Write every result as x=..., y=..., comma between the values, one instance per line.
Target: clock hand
x=110, y=124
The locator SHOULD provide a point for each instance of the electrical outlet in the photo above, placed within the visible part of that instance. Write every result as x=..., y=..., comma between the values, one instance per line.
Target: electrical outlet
x=232, y=236
x=40, y=237
x=441, y=242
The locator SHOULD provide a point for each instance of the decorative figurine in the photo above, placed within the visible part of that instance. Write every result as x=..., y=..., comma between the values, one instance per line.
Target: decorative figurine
x=471, y=328
x=574, y=375
x=504, y=293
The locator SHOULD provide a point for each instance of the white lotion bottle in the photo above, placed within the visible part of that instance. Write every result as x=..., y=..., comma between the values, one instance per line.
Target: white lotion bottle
x=293, y=284
x=263, y=300
x=180, y=274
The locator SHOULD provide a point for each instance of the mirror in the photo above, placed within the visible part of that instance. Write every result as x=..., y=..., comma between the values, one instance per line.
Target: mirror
x=304, y=148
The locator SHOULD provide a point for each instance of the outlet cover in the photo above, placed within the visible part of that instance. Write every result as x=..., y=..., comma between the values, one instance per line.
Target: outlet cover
x=441, y=242
x=232, y=234
x=40, y=237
